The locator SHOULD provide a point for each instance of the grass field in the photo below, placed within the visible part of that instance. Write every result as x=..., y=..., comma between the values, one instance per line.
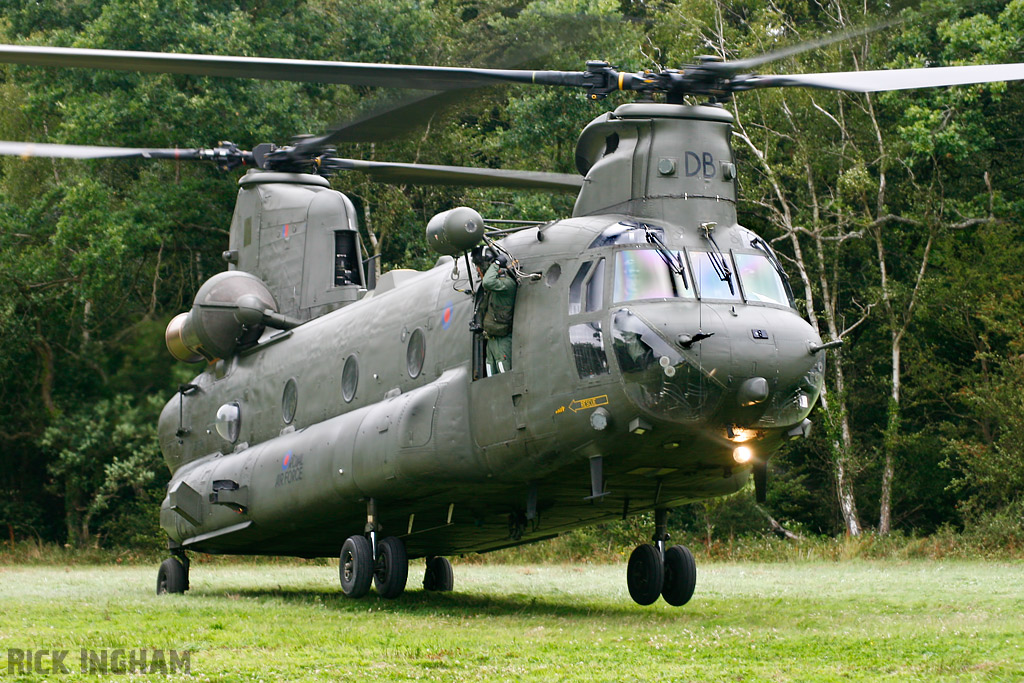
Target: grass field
x=918, y=620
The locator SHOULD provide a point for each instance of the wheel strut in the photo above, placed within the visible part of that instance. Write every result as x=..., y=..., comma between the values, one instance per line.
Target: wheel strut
x=661, y=536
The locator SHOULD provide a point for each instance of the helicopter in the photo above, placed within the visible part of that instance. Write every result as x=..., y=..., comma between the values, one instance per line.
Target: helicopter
x=657, y=355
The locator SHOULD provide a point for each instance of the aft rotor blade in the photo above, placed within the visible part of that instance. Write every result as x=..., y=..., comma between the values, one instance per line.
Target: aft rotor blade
x=388, y=122
x=891, y=79
x=52, y=151
x=350, y=73
x=426, y=174
x=226, y=155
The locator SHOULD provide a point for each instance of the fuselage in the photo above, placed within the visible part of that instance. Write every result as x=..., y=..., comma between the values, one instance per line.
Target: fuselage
x=633, y=351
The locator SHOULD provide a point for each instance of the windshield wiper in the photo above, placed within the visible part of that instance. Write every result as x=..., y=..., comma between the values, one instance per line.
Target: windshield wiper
x=674, y=262
x=717, y=258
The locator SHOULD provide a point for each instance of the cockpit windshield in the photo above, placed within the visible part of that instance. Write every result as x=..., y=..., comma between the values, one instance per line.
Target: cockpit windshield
x=761, y=282
x=661, y=273
x=647, y=274
x=714, y=277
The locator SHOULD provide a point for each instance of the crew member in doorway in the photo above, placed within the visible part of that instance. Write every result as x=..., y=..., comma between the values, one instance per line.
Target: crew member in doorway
x=497, y=305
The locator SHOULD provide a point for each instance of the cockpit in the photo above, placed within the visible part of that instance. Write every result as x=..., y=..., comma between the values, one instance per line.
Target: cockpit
x=680, y=362
x=647, y=269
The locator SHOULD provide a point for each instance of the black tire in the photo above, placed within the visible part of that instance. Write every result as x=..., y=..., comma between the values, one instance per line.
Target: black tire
x=172, y=577
x=439, y=575
x=356, y=567
x=645, y=574
x=680, y=576
x=391, y=571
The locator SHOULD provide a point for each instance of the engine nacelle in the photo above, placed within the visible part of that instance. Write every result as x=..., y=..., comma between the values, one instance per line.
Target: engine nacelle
x=228, y=312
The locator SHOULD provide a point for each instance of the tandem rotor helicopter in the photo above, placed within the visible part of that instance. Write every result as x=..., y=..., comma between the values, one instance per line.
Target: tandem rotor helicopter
x=657, y=357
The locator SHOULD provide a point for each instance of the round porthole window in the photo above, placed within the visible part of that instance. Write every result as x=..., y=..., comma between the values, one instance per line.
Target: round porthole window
x=229, y=421
x=551, y=277
x=289, y=401
x=416, y=352
x=349, y=378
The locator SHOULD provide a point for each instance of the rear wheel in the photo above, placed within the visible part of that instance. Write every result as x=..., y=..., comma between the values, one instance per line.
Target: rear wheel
x=392, y=568
x=356, y=567
x=172, y=577
x=439, y=575
x=680, y=576
x=645, y=574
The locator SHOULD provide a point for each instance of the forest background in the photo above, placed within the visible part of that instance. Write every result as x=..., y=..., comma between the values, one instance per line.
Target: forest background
x=898, y=217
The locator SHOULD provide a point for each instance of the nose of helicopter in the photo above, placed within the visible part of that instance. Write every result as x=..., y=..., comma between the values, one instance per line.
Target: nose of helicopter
x=747, y=366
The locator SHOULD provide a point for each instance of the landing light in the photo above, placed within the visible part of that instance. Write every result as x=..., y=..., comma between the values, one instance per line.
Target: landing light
x=739, y=434
x=742, y=455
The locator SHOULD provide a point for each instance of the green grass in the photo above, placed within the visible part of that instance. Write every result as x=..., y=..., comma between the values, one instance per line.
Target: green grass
x=857, y=620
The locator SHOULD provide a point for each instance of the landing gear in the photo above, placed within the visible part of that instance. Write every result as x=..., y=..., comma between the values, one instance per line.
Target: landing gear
x=392, y=568
x=680, y=576
x=356, y=566
x=645, y=574
x=358, y=569
x=439, y=576
x=173, y=575
x=654, y=570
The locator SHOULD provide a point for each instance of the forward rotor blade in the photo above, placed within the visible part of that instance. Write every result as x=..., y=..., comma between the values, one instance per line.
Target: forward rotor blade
x=746, y=65
x=426, y=174
x=41, y=149
x=350, y=73
x=891, y=79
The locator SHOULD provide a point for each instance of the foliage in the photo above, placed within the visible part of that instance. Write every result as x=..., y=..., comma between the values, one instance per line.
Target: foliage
x=923, y=186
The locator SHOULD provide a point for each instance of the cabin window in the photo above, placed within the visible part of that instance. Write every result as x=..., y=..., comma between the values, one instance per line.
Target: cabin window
x=760, y=280
x=714, y=275
x=650, y=274
x=416, y=353
x=349, y=378
x=289, y=401
x=229, y=421
x=588, y=349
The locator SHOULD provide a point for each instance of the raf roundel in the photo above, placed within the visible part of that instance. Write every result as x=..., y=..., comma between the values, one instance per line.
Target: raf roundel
x=447, y=315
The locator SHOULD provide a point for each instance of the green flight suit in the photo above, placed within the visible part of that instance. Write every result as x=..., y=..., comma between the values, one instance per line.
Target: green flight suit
x=500, y=288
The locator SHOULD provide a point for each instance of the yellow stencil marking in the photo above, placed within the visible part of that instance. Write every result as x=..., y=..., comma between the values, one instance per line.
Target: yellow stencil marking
x=586, y=403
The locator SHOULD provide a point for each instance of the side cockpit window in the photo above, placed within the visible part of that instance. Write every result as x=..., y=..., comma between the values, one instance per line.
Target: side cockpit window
x=588, y=349
x=586, y=304
x=576, y=289
x=586, y=293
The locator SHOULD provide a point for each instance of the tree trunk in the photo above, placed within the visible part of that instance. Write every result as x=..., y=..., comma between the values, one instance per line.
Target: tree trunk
x=889, y=443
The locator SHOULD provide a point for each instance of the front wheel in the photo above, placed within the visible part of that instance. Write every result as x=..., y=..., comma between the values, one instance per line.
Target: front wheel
x=680, y=576
x=356, y=566
x=645, y=574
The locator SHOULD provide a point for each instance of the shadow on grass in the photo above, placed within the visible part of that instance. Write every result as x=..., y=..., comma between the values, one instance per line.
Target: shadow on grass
x=421, y=602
